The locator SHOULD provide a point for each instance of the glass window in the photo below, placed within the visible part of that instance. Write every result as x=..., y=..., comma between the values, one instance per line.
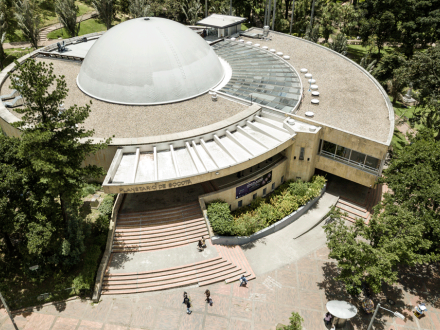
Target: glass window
x=240, y=203
x=372, y=162
x=343, y=152
x=264, y=191
x=357, y=157
x=282, y=179
x=329, y=147
x=301, y=154
x=273, y=186
x=254, y=196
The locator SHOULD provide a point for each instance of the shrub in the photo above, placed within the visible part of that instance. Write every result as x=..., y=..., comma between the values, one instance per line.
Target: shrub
x=220, y=217
x=106, y=206
x=263, y=212
x=89, y=189
x=86, y=278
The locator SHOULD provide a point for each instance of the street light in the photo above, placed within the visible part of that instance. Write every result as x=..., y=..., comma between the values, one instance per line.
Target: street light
x=396, y=314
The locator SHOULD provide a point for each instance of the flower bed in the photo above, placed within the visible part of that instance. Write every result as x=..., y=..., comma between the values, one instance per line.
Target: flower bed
x=263, y=212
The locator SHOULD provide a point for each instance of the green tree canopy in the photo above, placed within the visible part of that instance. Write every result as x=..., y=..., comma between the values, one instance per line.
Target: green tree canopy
x=55, y=145
x=405, y=226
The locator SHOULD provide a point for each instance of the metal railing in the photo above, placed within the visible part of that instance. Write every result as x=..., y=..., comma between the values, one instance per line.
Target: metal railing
x=349, y=162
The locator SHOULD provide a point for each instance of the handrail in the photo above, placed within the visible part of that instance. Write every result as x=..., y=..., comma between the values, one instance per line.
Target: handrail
x=349, y=161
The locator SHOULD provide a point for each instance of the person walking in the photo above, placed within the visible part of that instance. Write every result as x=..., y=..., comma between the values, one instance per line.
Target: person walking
x=187, y=303
x=208, y=297
x=243, y=280
x=328, y=318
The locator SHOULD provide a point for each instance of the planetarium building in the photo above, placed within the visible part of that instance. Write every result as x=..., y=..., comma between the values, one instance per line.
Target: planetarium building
x=219, y=113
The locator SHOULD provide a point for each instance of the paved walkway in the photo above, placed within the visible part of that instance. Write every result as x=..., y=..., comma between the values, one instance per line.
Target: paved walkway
x=44, y=32
x=292, y=275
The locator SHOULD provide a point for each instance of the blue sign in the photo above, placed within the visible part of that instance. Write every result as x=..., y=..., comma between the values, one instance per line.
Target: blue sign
x=256, y=184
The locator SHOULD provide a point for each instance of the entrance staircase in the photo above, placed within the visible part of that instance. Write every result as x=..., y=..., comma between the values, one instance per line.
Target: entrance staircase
x=142, y=232
x=353, y=211
x=159, y=229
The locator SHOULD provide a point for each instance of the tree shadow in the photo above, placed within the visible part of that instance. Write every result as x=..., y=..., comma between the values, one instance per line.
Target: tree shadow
x=391, y=297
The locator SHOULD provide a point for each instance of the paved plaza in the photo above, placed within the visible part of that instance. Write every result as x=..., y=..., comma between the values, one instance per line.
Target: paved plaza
x=304, y=286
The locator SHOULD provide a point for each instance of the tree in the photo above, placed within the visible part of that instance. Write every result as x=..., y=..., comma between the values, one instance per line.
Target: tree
x=139, y=8
x=106, y=10
x=56, y=146
x=367, y=63
x=312, y=34
x=3, y=27
x=326, y=20
x=391, y=72
x=423, y=70
x=348, y=18
x=339, y=44
x=295, y=322
x=29, y=222
x=191, y=10
x=405, y=226
x=66, y=11
x=378, y=22
x=28, y=20
x=419, y=24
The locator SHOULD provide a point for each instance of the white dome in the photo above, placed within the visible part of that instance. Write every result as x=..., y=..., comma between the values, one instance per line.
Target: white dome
x=149, y=61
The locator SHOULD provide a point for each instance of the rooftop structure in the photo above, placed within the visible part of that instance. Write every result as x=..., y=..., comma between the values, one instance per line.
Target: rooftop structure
x=221, y=21
x=149, y=61
x=184, y=112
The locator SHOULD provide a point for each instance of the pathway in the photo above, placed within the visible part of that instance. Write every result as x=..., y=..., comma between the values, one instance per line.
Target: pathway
x=44, y=32
x=292, y=275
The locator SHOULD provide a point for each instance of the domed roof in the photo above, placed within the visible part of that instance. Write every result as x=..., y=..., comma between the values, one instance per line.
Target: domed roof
x=149, y=61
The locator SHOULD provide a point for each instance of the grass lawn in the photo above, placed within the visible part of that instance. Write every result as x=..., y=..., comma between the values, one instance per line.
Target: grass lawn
x=356, y=52
x=89, y=26
x=48, y=18
x=15, y=53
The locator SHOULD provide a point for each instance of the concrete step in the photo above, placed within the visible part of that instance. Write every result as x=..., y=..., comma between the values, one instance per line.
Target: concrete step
x=162, y=217
x=161, y=211
x=152, y=282
x=166, y=271
x=166, y=239
x=158, y=227
x=221, y=278
x=350, y=211
x=151, y=230
x=162, y=238
x=158, y=246
x=352, y=205
x=182, y=230
x=235, y=255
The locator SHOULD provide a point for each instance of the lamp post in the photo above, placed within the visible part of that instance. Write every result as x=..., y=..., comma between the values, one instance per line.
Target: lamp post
x=375, y=312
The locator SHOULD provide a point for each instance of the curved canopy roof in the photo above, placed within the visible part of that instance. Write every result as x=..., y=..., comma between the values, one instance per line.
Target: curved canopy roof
x=149, y=61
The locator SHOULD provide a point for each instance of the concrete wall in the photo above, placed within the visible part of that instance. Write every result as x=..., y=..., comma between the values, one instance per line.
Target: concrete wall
x=345, y=171
x=228, y=194
x=303, y=169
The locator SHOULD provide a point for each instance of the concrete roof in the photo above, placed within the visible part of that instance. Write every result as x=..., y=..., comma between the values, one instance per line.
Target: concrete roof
x=349, y=99
x=256, y=135
x=221, y=21
x=126, y=121
x=149, y=61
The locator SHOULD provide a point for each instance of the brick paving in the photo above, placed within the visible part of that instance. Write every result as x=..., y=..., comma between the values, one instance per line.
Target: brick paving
x=304, y=286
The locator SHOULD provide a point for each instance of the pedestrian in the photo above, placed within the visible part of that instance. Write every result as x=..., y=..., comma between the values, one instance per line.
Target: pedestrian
x=200, y=245
x=203, y=242
x=243, y=280
x=328, y=318
x=187, y=303
x=208, y=297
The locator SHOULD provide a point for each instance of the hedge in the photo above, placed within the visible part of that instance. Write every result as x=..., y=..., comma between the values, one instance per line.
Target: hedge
x=263, y=212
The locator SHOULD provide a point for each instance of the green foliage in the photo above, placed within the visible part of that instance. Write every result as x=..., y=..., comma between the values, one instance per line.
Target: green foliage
x=89, y=189
x=106, y=10
x=220, y=217
x=263, y=212
x=295, y=322
x=405, y=227
x=28, y=19
x=86, y=278
x=67, y=11
x=339, y=44
x=312, y=34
